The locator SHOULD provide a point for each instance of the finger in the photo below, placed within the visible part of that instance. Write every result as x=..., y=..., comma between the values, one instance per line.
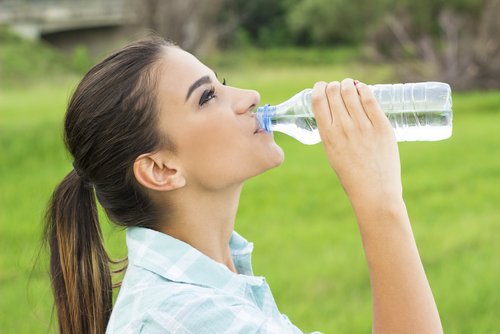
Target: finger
x=320, y=106
x=352, y=102
x=337, y=107
x=371, y=106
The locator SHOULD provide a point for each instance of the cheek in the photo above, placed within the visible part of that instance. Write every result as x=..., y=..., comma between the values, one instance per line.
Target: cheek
x=216, y=155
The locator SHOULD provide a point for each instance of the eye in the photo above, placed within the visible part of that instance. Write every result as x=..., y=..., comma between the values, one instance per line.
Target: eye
x=207, y=95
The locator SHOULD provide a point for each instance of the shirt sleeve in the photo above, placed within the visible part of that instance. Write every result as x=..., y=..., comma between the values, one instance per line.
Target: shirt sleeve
x=214, y=315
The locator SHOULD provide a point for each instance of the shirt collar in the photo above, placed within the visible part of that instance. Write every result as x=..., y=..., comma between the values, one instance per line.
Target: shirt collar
x=178, y=261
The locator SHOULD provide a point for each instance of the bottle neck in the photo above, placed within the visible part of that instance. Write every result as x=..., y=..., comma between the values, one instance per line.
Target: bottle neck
x=264, y=115
x=298, y=105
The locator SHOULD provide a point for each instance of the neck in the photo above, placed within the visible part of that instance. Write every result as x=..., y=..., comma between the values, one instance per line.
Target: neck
x=204, y=220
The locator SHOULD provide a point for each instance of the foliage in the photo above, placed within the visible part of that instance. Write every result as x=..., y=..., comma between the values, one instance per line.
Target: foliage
x=423, y=15
x=264, y=22
x=190, y=23
x=327, y=22
x=284, y=56
x=23, y=61
x=445, y=40
x=332, y=21
x=81, y=60
x=455, y=42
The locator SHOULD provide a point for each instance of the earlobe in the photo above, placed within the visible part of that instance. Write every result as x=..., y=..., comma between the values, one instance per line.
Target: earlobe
x=157, y=173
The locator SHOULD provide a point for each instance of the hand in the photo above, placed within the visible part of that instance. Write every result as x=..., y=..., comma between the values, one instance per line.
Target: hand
x=359, y=141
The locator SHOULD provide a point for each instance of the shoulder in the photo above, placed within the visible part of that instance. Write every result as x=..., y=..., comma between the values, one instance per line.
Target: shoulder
x=206, y=312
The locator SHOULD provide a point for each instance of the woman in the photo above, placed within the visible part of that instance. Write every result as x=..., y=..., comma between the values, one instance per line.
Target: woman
x=165, y=148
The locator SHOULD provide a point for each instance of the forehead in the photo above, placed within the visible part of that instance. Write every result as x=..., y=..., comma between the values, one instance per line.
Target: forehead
x=178, y=72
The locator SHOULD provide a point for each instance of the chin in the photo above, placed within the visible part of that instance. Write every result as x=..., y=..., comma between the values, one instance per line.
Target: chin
x=277, y=156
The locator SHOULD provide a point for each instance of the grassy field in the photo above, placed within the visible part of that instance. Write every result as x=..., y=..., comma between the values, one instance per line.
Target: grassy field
x=307, y=242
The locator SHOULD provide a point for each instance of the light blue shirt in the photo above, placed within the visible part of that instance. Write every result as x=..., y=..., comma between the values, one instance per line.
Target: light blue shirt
x=170, y=287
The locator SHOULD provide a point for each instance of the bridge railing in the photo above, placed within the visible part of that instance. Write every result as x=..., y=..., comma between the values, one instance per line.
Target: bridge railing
x=53, y=11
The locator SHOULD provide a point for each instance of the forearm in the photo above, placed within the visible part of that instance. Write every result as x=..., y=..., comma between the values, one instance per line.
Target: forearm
x=402, y=298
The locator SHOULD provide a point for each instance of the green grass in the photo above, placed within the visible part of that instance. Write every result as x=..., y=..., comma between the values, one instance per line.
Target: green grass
x=25, y=62
x=307, y=242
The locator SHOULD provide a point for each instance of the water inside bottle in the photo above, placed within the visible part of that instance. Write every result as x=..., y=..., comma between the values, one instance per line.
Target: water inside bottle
x=426, y=125
x=302, y=127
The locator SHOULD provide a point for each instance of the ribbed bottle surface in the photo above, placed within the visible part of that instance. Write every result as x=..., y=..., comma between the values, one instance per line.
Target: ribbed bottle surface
x=417, y=112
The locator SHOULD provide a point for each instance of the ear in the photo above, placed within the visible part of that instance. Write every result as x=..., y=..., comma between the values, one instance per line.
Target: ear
x=158, y=171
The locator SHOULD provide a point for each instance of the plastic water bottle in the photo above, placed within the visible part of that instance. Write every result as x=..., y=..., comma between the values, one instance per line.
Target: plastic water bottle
x=417, y=112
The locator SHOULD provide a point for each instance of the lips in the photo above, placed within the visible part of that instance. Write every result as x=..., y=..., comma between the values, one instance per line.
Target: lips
x=258, y=129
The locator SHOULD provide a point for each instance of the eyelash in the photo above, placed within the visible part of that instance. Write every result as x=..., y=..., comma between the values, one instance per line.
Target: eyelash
x=209, y=94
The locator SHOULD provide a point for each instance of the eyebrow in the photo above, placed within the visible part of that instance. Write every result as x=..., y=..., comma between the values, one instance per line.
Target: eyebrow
x=201, y=81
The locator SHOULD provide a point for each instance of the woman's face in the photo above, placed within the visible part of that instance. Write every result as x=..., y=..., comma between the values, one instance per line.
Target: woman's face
x=216, y=135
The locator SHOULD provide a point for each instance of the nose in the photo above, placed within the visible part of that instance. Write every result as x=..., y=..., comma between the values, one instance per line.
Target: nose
x=246, y=100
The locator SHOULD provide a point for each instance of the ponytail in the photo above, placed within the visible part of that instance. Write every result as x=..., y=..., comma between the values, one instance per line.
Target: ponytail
x=111, y=119
x=79, y=264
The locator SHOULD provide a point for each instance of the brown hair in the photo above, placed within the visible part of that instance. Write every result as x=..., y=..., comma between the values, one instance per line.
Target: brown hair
x=111, y=120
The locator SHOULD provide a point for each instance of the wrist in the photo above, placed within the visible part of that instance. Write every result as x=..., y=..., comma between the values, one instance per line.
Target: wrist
x=380, y=211
x=382, y=201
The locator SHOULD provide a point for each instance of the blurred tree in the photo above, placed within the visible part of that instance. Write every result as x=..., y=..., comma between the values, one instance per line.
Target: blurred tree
x=333, y=21
x=261, y=22
x=453, y=41
x=190, y=23
x=450, y=40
